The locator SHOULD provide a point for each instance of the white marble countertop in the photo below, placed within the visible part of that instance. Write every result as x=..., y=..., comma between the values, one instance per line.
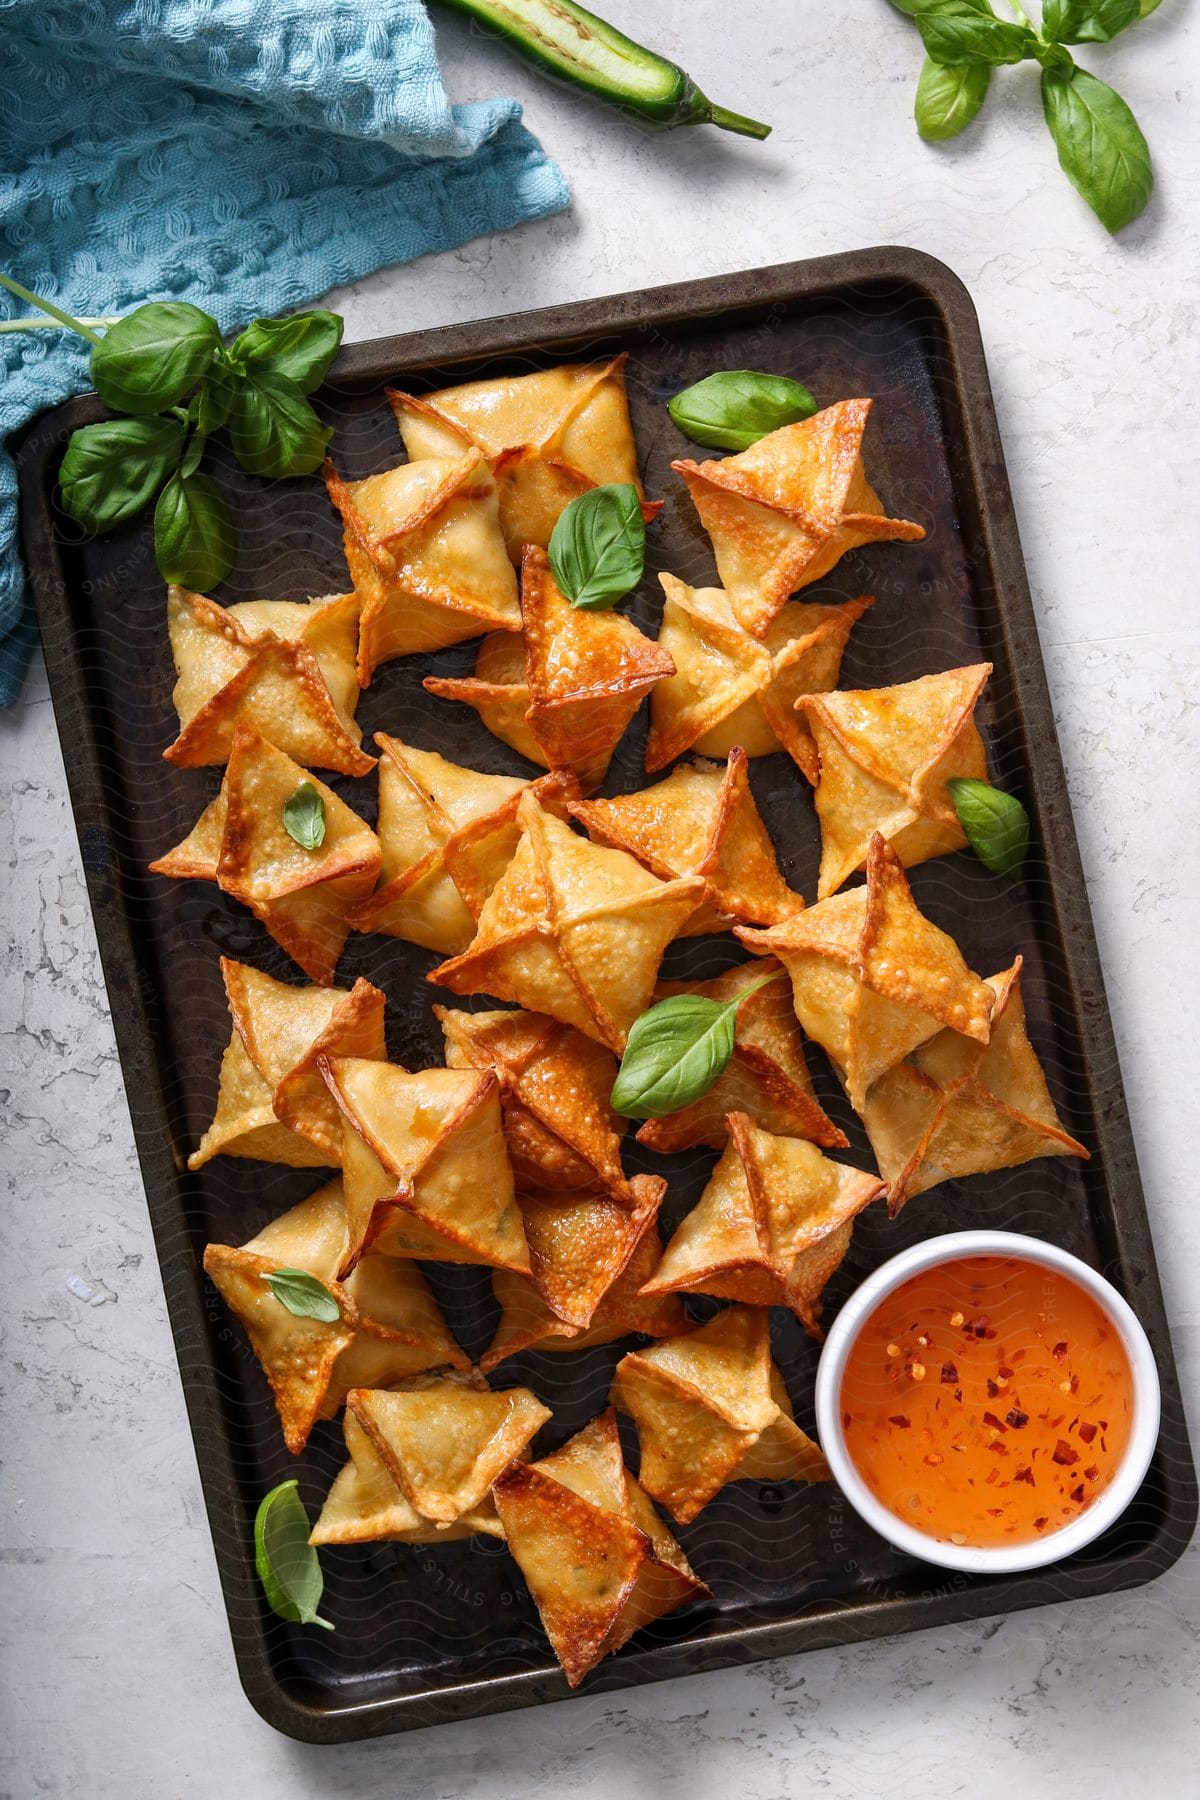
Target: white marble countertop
x=121, y=1679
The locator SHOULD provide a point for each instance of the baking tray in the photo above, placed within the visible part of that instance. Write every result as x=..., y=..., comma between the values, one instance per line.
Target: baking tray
x=425, y=1635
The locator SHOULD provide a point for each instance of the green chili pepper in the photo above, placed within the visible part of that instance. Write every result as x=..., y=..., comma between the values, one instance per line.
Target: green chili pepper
x=570, y=42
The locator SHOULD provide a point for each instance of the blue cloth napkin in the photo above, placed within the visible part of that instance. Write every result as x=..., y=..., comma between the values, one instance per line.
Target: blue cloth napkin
x=246, y=155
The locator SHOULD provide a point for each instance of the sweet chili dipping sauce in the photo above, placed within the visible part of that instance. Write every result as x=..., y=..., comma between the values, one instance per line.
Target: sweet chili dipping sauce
x=987, y=1401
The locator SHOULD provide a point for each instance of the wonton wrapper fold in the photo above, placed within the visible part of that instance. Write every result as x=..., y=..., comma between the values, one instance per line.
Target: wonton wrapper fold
x=425, y=1169
x=303, y=897
x=872, y=978
x=566, y=701
x=272, y=1104
x=783, y=512
x=702, y=820
x=771, y=1228
x=284, y=667
x=426, y=556
x=598, y=1560
x=711, y=1408
x=885, y=756
x=731, y=688
x=960, y=1108
x=549, y=437
x=390, y=1325
x=766, y=1076
x=573, y=930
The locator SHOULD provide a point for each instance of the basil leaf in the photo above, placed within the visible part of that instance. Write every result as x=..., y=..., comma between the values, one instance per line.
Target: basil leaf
x=996, y=824
x=957, y=32
x=734, y=408
x=193, y=533
x=153, y=357
x=304, y=817
x=1086, y=21
x=1100, y=146
x=287, y=1564
x=598, y=546
x=299, y=1291
x=301, y=347
x=948, y=99
x=273, y=428
x=112, y=470
x=676, y=1051
x=209, y=407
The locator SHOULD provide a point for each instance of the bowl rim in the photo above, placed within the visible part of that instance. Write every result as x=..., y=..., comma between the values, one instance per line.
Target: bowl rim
x=956, y=1246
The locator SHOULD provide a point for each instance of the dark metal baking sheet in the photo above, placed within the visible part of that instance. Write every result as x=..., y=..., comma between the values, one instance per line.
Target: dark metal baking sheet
x=431, y=1634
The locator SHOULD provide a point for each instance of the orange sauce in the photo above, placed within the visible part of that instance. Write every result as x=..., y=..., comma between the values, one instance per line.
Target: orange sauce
x=987, y=1401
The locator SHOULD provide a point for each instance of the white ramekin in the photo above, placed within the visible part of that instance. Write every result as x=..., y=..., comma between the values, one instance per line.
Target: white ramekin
x=996, y=1559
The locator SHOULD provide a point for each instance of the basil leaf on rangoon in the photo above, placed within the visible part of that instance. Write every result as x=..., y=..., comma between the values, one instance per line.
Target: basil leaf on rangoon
x=675, y=1053
x=300, y=347
x=152, y=358
x=273, y=429
x=304, y=817
x=1100, y=146
x=114, y=469
x=598, y=546
x=303, y=1295
x=193, y=534
x=948, y=99
x=996, y=824
x=735, y=407
x=287, y=1564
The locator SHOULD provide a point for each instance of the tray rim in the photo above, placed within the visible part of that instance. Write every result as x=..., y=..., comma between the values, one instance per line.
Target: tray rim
x=828, y=1623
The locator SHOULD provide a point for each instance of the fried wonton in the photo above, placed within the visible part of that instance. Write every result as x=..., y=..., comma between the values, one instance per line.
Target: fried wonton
x=425, y=1169
x=771, y=1228
x=959, y=1108
x=389, y=1327
x=599, y=1562
x=573, y=930
x=559, y=1125
x=582, y=678
x=588, y=1259
x=783, y=512
x=426, y=556
x=766, y=1076
x=365, y=1506
x=285, y=667
x=702, y=820
x=272, y=1104
x=303, y=897
x=447, y=835
x=731, y=688
x=872, y=978
x=712, y=1408
x=885, y=756
x=549, y=437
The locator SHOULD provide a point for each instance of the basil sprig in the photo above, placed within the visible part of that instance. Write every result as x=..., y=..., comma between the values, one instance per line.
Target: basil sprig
x=735, y=407
x=166, y=366
x=1100, y=145
x=995, y=823
x=303, y=1295
x=304, y=817
x=598, y=546
x=676, y=1051
x=287, y=1564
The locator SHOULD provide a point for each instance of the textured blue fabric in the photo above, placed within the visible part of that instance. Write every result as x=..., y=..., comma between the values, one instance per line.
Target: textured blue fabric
x=246, y=155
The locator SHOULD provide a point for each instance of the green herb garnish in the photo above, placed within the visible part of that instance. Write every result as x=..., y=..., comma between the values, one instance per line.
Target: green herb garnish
x=676, y=1051
x=598, y=546
x=167, y=367
x=304, y=1295
x=287, y=1564
x=996, y=824
x=304, y=817
x=734, y=408
x=1100, y=145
